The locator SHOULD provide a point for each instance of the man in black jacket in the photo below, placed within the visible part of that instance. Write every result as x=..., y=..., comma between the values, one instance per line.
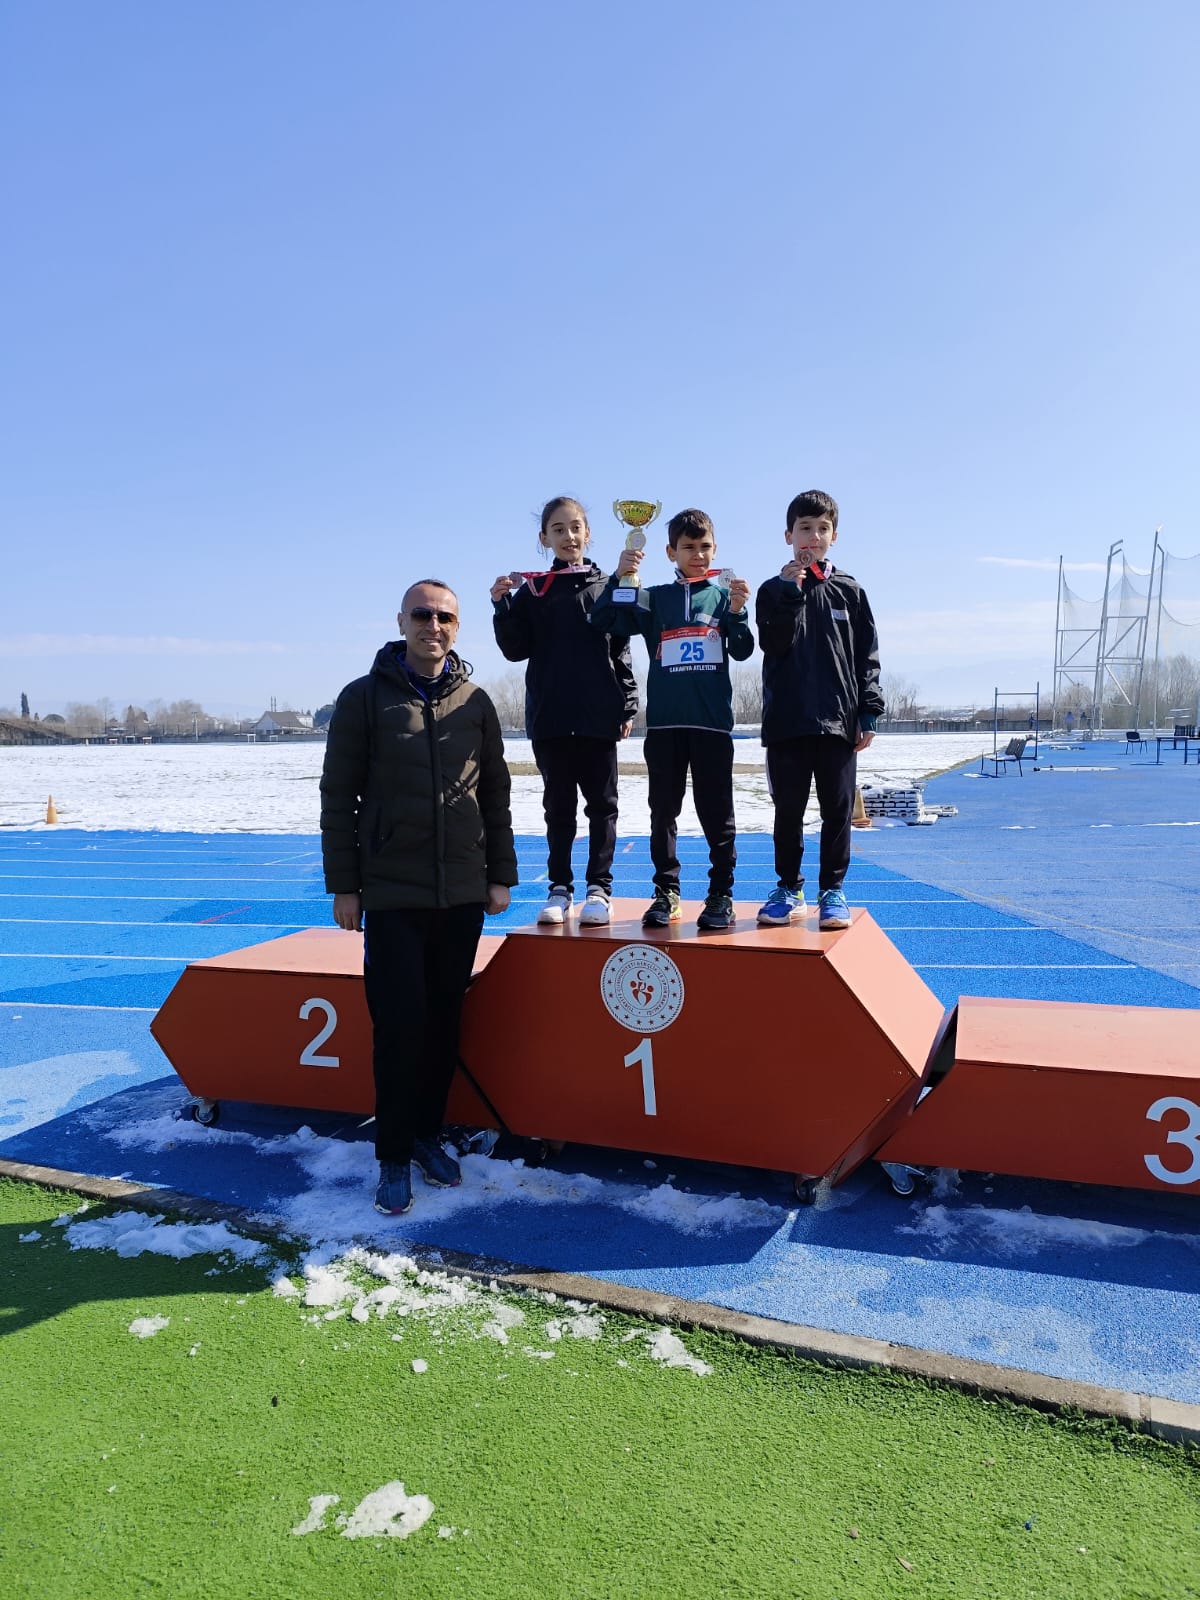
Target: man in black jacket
x=821, y=703
x=417, y=841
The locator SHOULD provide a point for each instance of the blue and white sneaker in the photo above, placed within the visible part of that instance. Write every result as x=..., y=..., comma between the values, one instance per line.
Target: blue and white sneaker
x=782, y=906
x=393, y=1197
x=834, y=911
x=436, y=1166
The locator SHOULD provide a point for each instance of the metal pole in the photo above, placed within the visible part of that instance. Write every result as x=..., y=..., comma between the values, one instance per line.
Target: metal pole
x=1057, y=646
x=1160, y=552
x=1098, y=686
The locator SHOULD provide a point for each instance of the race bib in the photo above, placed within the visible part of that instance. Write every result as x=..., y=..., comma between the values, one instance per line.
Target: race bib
x=691, y=647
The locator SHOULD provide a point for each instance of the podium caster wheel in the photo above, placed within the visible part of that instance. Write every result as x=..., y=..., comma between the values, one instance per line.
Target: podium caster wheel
x=206, y=1112
x=902, y=1179
x=805, y=1189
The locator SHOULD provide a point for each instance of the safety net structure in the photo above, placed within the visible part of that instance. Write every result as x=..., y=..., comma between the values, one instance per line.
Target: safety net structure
x=1131, y=655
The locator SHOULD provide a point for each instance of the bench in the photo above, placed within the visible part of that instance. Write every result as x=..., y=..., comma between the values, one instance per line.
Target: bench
x=1014, y=750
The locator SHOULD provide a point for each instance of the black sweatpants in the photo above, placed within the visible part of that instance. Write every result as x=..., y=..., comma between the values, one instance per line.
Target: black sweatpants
x=416, y=967
x=570, y=767
x=792, y=765
x=669, y=752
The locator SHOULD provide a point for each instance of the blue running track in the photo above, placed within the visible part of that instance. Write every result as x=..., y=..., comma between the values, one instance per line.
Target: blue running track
x=1067, y=884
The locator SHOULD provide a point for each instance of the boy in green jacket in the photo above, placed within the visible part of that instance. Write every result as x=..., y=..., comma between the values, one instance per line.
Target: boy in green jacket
x=692, y=628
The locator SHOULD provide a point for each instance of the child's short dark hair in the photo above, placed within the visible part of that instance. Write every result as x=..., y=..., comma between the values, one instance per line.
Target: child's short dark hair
x=813, y=503
x=690, y=524
x=559, y=501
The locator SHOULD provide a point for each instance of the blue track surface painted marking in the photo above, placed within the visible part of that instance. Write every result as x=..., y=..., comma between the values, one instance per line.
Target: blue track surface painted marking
x=1043, y=887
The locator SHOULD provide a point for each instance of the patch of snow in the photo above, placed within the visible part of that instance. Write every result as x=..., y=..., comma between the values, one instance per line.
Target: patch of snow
x=147, y=1327
x=387, y=1513
x=420, y=1366
x=1024, y=1231
x=134, y=1233
x=28, y=1238
x=318, y=1508
x=668, y=1348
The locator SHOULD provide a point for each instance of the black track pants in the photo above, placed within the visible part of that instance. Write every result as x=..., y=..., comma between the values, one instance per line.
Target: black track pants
x=792, y=767
x=570, y=767
x=416, y=967
x=669, y=753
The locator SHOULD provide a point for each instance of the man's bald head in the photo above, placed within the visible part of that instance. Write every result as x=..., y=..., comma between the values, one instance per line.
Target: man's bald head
x=428, y=583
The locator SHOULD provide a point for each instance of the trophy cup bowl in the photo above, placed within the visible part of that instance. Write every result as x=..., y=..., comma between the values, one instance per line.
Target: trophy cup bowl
x=635, y=515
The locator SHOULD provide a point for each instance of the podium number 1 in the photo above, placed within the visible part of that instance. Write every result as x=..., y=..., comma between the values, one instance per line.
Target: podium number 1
x=309, y=1056
x=643, y=1056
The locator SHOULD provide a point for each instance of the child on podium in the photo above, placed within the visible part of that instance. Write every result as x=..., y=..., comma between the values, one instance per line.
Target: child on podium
x=691, y=627
x=580, y=699
x=821, y=703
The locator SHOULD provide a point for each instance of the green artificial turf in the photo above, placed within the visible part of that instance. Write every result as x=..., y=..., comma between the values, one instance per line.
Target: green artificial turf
x=132, y=1466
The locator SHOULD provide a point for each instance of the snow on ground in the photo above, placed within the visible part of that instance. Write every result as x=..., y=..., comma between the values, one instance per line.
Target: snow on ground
x=134, y=1233
x=272, y=788
x=342, y=1172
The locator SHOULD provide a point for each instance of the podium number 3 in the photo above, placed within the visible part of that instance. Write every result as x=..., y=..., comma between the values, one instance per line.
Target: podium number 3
x=643, y=1056
x=1188, y=1136
x=309, y=1056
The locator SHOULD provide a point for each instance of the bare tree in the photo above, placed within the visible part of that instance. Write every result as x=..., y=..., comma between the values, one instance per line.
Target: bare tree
x=747, y=695
x=507, y=694
x=901, y=698
x=84, y=718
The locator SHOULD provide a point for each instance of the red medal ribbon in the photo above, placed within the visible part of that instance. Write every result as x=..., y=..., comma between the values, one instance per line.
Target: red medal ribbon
x=547, y=578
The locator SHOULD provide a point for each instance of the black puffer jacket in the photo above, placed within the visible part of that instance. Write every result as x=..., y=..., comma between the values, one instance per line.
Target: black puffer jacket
x=415, y=791
x=579, y=680
x=820, y=658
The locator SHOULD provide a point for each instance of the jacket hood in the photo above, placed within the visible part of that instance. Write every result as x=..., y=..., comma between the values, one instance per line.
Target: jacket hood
x=391, y=662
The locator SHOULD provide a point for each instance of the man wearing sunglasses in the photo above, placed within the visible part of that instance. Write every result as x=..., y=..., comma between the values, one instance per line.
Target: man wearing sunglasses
x=417, y=841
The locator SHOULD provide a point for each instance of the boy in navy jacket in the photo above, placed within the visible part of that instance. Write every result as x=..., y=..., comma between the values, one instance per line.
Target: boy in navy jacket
x=691, y=628
x=821, y=704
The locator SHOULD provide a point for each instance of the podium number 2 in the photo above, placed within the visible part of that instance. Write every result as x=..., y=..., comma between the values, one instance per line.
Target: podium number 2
x=1188, y=1136
x=643, y=1056
x=309, y=1056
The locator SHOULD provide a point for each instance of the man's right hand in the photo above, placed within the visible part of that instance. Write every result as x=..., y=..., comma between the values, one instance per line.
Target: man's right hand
x=502, y=586
x=347, y=912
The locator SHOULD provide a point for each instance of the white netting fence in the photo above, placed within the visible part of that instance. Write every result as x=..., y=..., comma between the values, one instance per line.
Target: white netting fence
x=1132, y=654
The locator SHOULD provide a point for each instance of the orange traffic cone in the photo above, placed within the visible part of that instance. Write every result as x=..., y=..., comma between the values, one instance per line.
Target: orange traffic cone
x=51, y=813
x=859, y=819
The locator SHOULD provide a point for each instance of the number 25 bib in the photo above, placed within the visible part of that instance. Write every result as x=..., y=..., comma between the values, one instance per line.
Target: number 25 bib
x=698, y=646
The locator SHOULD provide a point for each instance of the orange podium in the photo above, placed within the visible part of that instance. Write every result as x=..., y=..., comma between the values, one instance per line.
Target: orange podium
x=782, y=1048
x=1046, y=1089
x=285, y=1023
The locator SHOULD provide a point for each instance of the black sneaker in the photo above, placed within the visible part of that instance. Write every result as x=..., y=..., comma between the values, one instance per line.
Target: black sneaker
x=664, y=909
x=394, y=1194
x=436, y=1167
x=718, y=912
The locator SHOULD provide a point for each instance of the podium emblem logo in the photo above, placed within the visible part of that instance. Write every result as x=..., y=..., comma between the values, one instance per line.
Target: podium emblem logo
x=642, y=988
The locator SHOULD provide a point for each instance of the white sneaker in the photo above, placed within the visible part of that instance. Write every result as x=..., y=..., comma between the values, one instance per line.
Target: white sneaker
x=595, y=909
x=558, y=905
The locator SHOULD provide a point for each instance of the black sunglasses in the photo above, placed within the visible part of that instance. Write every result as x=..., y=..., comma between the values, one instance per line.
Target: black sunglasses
x=427, y=614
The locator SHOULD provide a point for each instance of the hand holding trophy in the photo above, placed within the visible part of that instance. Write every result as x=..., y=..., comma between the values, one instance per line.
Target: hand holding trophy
x=636, y=516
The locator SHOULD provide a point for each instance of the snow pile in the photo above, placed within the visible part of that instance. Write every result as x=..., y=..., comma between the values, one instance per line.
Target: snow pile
x=133, y=1233
x=318, y=1506
x=1024, y=1231
x=387, y=1513
x=669, y=1349
x=147, y=1327
x=343, y=1172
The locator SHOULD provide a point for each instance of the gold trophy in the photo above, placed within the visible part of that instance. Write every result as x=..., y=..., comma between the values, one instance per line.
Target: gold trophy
x=636, y=516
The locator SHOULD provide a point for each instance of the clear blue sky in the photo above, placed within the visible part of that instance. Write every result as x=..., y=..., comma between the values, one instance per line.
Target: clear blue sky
x=303, y=300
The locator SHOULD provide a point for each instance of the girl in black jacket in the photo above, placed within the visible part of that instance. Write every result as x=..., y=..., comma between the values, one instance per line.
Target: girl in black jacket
x=580, y=699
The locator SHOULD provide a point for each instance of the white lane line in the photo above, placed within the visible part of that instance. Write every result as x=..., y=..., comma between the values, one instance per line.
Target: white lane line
x=129, y=877
x=58, y=1005
x=46, y=955
x=1026, y=966
x=107, y=922
x=173, y=899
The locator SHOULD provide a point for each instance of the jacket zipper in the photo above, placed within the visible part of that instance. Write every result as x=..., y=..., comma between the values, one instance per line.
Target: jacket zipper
x=439, y=817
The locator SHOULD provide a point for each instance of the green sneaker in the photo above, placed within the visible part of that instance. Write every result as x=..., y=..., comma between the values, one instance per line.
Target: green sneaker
x=718, y=912
x=664, y=909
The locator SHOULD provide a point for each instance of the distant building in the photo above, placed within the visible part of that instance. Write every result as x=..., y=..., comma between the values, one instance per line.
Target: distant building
x=284, y=722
